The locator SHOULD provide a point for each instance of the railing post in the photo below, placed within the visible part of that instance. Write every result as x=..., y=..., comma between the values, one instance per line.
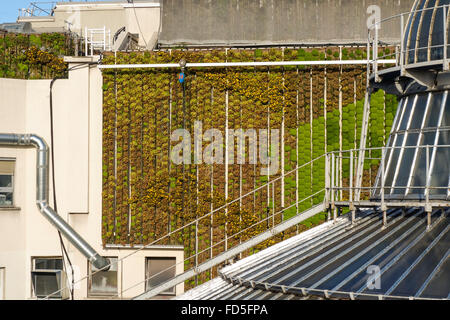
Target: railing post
x=402, y=45
x=338, y=181
x=337, y=187
x=375, y=54
x=444, y=29
x=273, y=205
x=104, y=38
x=332, y=178
x=350, y=196
x=332, y=182
x=383, y=204
x=368, y=55
x=196, y=250
x=327, y=180
x=85, y=41
x=428, y=208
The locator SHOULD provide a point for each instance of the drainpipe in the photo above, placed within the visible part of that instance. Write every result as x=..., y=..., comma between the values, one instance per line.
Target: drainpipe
x=42, y=187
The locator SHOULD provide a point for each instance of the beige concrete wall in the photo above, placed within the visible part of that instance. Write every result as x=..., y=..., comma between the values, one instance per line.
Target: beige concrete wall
x=24, y=232
x=148, y=27
x=12, y=221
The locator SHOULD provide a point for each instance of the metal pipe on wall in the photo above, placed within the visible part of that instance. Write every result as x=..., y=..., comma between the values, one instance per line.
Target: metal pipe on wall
x=246, y=64
x=42, y=192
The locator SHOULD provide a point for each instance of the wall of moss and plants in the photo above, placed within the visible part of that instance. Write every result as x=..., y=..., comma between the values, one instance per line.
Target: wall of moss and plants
x=34, y=56
x=146, y=196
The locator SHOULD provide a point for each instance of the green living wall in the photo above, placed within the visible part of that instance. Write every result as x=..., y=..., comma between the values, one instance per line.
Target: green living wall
x=146, y=196
x=34, y=56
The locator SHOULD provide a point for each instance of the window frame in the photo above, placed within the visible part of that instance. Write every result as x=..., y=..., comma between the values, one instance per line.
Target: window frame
x=89, y=284
x=9, y=189
x=2, y=283
x=173, y=290
x=33, y=268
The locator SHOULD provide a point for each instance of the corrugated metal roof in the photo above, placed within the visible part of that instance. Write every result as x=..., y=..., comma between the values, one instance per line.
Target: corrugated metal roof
x=340, y=261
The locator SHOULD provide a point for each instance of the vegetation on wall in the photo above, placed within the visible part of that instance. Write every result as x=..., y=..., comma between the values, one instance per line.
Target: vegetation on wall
x=146, y=196
x=34, y=56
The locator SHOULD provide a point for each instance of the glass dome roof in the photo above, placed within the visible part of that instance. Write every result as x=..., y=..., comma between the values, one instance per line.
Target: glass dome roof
x=424, y=34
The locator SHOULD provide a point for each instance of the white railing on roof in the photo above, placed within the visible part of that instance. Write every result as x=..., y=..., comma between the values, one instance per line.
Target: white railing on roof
x=96, y=40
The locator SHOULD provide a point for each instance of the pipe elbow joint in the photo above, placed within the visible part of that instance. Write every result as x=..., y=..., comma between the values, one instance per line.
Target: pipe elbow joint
x=101, y=263
x=38, y=142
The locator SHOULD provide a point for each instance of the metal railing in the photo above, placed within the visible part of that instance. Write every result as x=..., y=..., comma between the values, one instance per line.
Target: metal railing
x=41, y=8
x=38, y=9
x=242, y=224
x=96, y=40
x=401, y=54
x=342, y=192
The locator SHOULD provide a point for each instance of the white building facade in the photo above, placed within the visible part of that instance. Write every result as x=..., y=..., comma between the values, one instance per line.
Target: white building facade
x=28, y=242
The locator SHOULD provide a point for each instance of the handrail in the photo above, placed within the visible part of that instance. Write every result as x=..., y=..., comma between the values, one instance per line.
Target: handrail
x=211, y=213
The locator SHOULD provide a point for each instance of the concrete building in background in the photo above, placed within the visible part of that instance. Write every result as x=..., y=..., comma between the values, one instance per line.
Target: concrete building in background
x=141, y=18
x=206, y=23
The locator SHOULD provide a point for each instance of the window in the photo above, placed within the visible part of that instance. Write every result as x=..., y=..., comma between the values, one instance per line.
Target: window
x=103, y=283
x=6, y=182
x=48, y=278
x=48, y=264
x=2, y=283
x=159, y=270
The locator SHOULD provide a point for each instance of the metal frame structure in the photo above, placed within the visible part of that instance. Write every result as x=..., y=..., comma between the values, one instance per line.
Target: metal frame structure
x=91, y=43
x=38, y=9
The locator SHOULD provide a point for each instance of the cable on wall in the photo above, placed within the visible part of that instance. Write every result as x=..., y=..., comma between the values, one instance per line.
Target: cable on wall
x=65, y=255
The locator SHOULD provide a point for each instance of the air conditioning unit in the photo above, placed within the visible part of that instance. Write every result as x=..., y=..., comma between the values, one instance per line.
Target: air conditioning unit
x=46, y=282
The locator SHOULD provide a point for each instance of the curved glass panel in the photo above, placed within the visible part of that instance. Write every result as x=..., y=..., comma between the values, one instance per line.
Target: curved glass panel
x=414, y=30
x=433, y=115
x=437, y=33
x=424, y=34
x=408, y=27
x=440, y=176
x=422, y=127
x=446, y=116
x=393, y=161
x=425, y=31
x=419, y=112
x=406, y=162
x=405, y=115
x=420, y=169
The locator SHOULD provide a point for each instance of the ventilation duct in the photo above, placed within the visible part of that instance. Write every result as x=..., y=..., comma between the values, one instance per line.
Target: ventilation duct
x=42, y=187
